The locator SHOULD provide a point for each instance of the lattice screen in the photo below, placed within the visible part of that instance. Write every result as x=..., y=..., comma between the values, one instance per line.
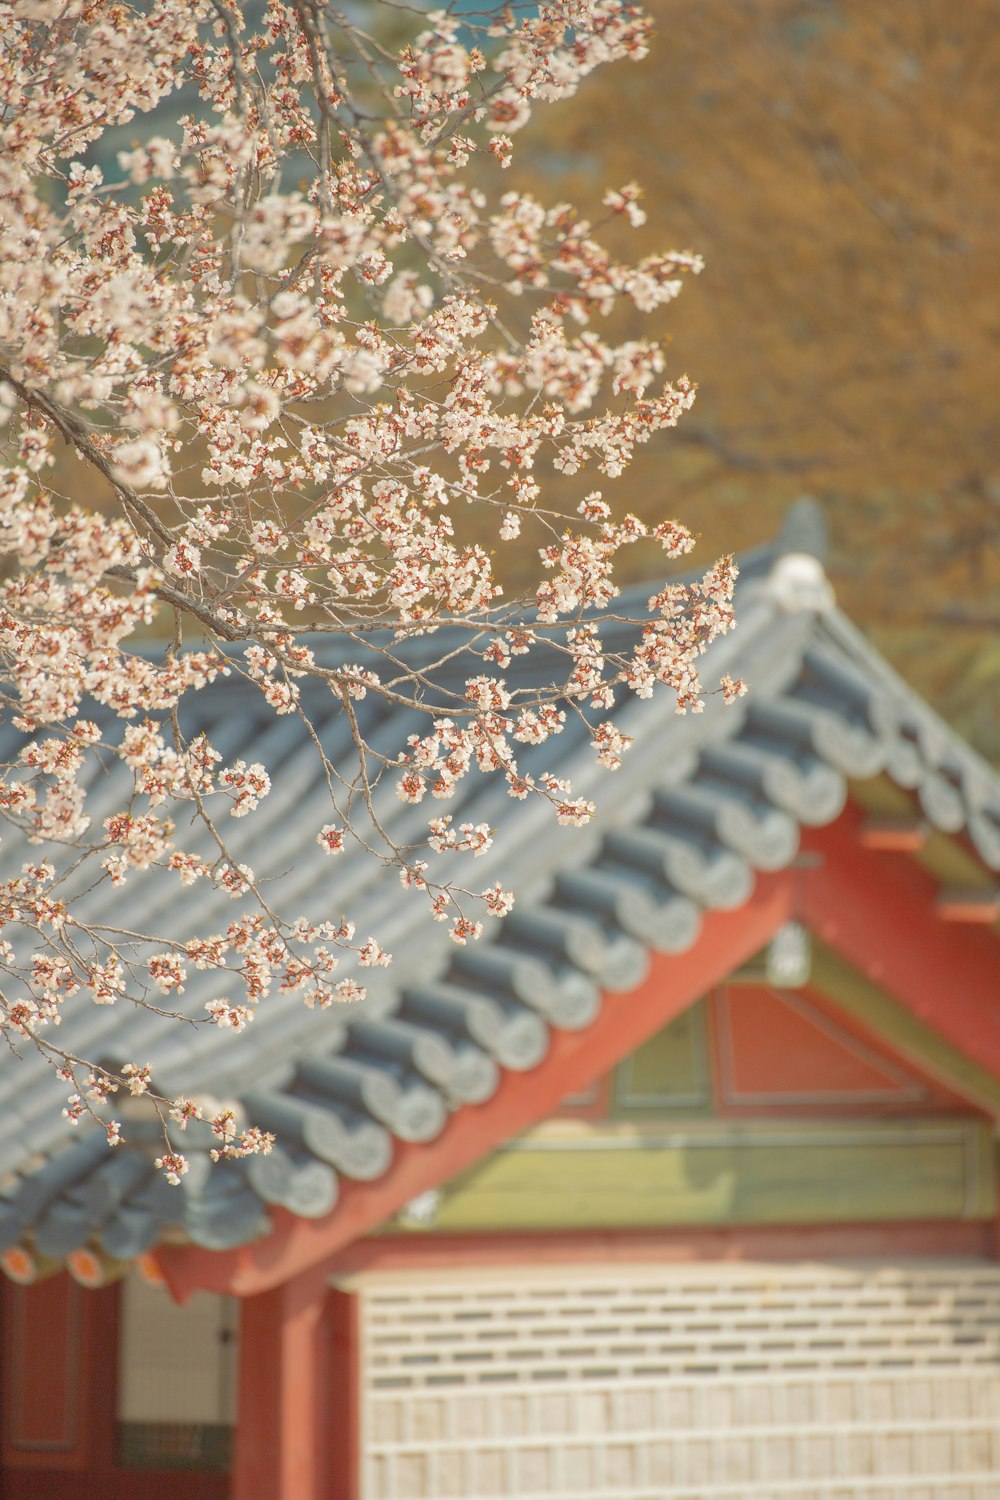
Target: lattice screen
x=721, y=1382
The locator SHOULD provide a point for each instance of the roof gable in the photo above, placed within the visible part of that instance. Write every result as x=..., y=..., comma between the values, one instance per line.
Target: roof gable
x=690, y=868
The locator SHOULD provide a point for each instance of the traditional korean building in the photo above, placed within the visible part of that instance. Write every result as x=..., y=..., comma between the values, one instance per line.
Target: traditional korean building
x=682, y=1183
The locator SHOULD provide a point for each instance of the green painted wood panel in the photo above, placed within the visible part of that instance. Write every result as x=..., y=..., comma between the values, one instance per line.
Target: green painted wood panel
x=670, y=1071
x=573, y=1174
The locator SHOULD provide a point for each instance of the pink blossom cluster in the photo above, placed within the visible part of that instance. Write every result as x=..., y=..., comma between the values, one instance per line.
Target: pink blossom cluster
x=252, y=376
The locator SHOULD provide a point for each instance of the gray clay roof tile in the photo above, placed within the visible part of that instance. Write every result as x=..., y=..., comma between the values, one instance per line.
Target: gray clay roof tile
x=701, y=803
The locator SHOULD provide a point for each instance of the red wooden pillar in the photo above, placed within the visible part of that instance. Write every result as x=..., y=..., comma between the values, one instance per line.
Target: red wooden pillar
x=296, y=1432
x=345, y=1395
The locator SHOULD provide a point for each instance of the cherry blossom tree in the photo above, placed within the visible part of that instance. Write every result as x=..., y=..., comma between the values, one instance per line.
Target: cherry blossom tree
x=296, y=367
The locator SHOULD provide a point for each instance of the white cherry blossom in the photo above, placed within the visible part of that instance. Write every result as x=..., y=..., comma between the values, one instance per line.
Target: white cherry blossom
x=254, y=371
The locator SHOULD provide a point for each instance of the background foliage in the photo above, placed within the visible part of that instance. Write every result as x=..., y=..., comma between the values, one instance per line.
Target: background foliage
x=836, y=163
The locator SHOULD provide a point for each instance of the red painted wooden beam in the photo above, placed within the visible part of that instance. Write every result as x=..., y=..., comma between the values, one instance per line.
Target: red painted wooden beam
x=396, y=1254
x=574, y=1059
x=881, y=914
x=980, y=907
x=894, y=835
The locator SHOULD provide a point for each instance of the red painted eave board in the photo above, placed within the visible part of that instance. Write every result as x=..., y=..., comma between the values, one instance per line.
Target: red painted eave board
x=878, y=911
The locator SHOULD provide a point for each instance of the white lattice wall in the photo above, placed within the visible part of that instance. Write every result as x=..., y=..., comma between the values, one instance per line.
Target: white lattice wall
x=721, y=1382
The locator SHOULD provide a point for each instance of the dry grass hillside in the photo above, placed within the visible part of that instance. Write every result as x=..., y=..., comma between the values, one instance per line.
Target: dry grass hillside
x=838, y=165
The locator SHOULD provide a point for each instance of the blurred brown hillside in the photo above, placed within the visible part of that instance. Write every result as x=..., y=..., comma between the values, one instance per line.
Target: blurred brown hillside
x=838, y=165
